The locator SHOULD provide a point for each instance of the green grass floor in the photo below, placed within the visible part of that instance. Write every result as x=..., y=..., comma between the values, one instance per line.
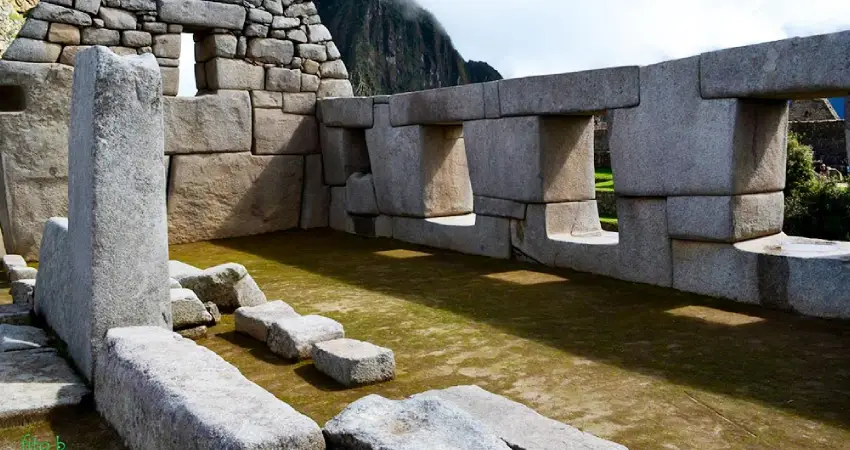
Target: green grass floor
x=648, y=367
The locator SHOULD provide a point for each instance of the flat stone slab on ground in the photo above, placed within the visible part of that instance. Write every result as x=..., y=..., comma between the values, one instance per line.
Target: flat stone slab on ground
x=15, y=314
x=255, y=321
x=22, y=273
x=518, y=425
x=374, y=423
x=352, y=362
x=293, y=338
x=34, y=382
x=10, y=261
x=21, y=337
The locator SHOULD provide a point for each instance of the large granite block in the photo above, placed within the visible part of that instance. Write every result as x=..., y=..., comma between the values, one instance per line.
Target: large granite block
x=344, y=152
x=225, y=73
x=645, y=254
x=32, y=50
x=470, y=234
x=229, y=286
x=202, y=14
x=531, y=159
x=317, y=195
x=118, y=235
x=278, y=133
x=187, y=311
x=355, y=112
x=497, y=207
x=255, y=321
x=351, y=362
x=808, y=67
x=37, y=381
x=717, y=270
x=438, y=106
x=360, y=195
x=419, y=171
x=724, y=218
x=34, y=165
x=675, y=143
x=208, y=123
x=293, y=337
x=54, y=285
x=205, y=200
x=571, y=93
x=199, y=402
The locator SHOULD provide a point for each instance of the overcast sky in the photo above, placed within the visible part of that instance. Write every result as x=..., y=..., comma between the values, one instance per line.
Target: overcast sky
x=532, y=37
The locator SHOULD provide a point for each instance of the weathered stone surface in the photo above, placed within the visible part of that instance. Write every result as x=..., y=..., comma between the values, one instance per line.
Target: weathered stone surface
x=208, y=123
x=34, y=29
x=492, y=104
x=355, y=112
x=229, y=286
x=54, y=285
x=205, y=200
x=310, y=83
x=214, y=312
x=360, y=195
x=344, y=152
x=154, y=403
x=338, y=218
x=12, y=261
x=35, y=165
x=316, y=199
x=725, y=219
x=333, y=88
x=22, y=273
x=100, y=36
x=255, y=321
x=256, y=30
x=283, y=80
x=21, y=337
x=55, y=13
x=267, y=99
x=116, y=135
x=531, y=159
x=645, y=248
x=334, y=69
x=15, y=314
x=259, y=16
x=809, y=67
x=716, y=270
x=23, y=292
x=293, y=337
x=69, y=54
x=223, y=73
x=174, y=284
x=37, y=381
x=438, y=106
x=285, y=22
x=202, y=13
x=301, y=103
x=497, y=207
x=136, y=39
x=318, y=33
x=187, y=311
x=193, y=333
x=315, y=52
x=166, y=46
x=470, y=234
x=278, y=133
x=89, y=6
x=519, y=426
x=178, y=270
x=677, y=144
x=418, y=171
x=63, y=33
x=32, y=50
x=117, y=19
x=170, y=80
x=351, y=362
x=271, y=51
x=372, y=423
x=216, y=45
x=571, y=93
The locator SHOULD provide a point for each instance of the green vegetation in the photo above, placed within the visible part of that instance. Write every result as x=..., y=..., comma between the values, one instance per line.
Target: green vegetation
x=604, y=179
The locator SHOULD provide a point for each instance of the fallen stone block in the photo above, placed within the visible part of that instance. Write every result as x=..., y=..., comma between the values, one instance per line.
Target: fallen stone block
x=293, y=337
x=354, y=112
x=351, y=362
x=10, y=261
x=187, y=311
x=208, y=123
x=470, y=234
x=724, y=218
x=153, y=402
x=807, y=67
x=373, y=423
x=193, y=333
x=255, y=321
x=438, y=106
x=497, y=207
x=229, y=286
x=179, y=269
x=15, y=314
x=23, y=292
x=36, y=382
x=360, y=195
x=21, y=337
x=22, y=273
x=519, y=426
x=571, y=93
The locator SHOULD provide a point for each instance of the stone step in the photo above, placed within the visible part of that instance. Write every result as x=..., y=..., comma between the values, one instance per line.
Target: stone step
x=15, y=314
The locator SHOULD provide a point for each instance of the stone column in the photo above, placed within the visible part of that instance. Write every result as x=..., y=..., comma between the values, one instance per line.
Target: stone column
x=118, y=237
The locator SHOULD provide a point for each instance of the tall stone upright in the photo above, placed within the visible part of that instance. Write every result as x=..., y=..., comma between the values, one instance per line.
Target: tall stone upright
x=118, y=236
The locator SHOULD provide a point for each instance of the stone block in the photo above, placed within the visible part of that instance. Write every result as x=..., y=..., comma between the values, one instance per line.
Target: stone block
x=88, y=6
x=351, y=362
x=229, y=286
x=333, y=69
x=332, y=88
x=170, y=80
x=187, y=311
x=34, y=165
x=59, y=14
x=278, y=133
x=22, y=273
x=470, y=234
x=54, y=286
x=23, y=292
x=194, y=333
x=100, y=36
x=317, y=196
x=293, y=337
x=354, y=112
x=301, y=103
x=497, y=207
x=315, y=52
x=344, y=152
x=492, y=104
x=215, y=123
x=166, y=46
x=117, y=19
x=571, y=93
x=174, y=284
x=255, y=321
x=418, y=171
x=372, y=422
x=267, y=99
x=177, y=270
x=12, y=261
x=725, y=219
x=214, y=312
x=645, y=254
x=154, y=403
x=518, y=425
x=270, y=51
x=202, y=14
x=215, y=45
x=35, y=382
x=34, y=29
x=15, y=314
x=116, y=135
x=21, y=337
x=531, y=159
x=32, y=50
x=338, y=218
x=63, y=33
x=438, y=106
x=360, y=195
x=677, y=144
x=205, y=200
x=808, y=67
x=223, y=73
x=309, y=83
x=283, y=80
x=716, y=270
x=136, y=39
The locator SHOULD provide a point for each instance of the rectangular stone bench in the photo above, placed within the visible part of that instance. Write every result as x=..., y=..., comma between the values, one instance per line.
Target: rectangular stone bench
x=161, y=391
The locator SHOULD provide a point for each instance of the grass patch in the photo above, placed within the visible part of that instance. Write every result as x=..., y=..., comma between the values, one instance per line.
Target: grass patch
x=604, y=179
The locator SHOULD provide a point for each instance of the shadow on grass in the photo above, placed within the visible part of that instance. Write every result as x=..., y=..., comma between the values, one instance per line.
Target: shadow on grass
x=256, y=348
x=312, y=375
x=797, y=364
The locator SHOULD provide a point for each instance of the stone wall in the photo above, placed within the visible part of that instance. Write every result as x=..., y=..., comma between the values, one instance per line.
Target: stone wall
x=235, y=154
x=827, y=139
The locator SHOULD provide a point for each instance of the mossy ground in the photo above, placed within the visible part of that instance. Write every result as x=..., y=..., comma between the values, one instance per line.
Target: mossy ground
x=644, y=366
x=604, y=178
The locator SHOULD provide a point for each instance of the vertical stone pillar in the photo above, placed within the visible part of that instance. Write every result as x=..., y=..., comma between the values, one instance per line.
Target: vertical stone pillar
x=118, y=236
